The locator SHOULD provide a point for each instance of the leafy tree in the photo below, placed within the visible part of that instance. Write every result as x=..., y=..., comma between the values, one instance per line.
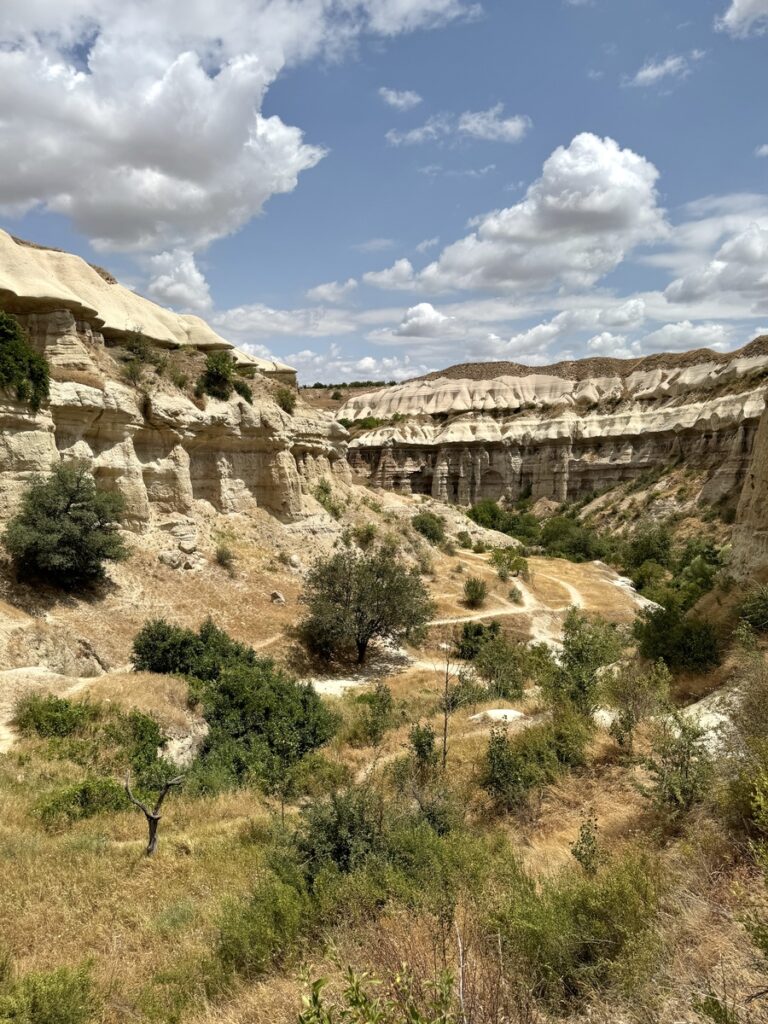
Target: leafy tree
x=635, y=694
x=682, y=643
x=473, y=635
x=354, y=598
x=567, y=537
x=162, y=647
x=649, y=544
x=503, y=666
x=22, y=370
x=589, y=643
x=680, y=766
x=66, y=529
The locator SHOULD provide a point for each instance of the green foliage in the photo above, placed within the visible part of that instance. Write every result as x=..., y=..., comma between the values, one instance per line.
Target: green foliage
x=504, y=666
x=82, y=800
x=375, y=716
x=464, y=540
x=173, y=650
x=47, y=716
x=475, y=592
x=568, y=538
x=508, y=562
x=522, y=525
x=354, y=598
x=579, y=934
x=364, y=535
x=133, y=372
x=421, y=741
x=323, y=492
x=515, y=766
x=361, y=1003
x=754, y=609
x=225, y=557
x=680, y=766
x=343, y=831
x=430, y=526
x=586, y=849
x=219, y=378
x=22, y=370
x=635, y=694
x=286, y=399
x=649, y=544
x=257, y=935
x=473, y=635
x=689, y=644
x=63, y=996
x=589, y=643
x=66, y=529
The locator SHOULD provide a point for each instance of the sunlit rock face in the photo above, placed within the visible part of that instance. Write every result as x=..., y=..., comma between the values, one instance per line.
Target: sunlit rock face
x=461, y=440
x=162, y=451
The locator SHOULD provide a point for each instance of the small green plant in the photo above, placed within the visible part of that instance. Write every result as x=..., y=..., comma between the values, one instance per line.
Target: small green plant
x=337, y=396
x=635, y=695
x=516, y=595
x=473, y=636
x=48, y=716
x=323, y=492
x=179, y=380
x=375, y=716
x=133, y=372
x=22, y=370
x=464, y=540
x=243, y=388
x=225, y=557
x=475, y=592
x=62, y=996
x=754, y=609
x=430, y=526
x=81, y=800
x=286, y=399
x=217, y=379
x=364, y=535
x=680, y=766
x=586, y=849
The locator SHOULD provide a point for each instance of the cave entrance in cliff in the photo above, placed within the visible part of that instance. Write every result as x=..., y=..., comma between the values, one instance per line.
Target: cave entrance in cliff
x=421, y=482
x=491, y=485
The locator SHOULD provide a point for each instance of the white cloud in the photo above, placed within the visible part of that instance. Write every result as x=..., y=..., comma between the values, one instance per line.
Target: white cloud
x=398, y=277
x=486, y=125
x=243, y=323
x=423, y=321
x=655, y=71
x=491, y=126
x=608, y=344
x=744, y=16
x=375, y=245
x=683, y=336
x=762, y=150
x=178, y=281
x=400, y=100
x=332, y=291
x=427, y=244
x=142, y=122
x=437, y=170
x=335, y=365
x=739, y=268
x=593, y=203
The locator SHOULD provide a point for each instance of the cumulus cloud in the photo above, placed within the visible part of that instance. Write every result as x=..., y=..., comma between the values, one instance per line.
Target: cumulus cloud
x=244, y=323
x=744, y=16
x=423, y=321
x=334, y=365
x=332, y=291
x=400, y=100
x=608, y=344
x=740, y=268
x=177, y=281
x=685, y=335
x=375, y=245
x=427, y=244
x=655, y=71
x=762, y=150
x=142, y=122
x=593, y=203
x=487, y=125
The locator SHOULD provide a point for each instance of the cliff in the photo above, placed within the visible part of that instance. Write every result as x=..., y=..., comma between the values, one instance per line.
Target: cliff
x=163, y=449
x=566, y=433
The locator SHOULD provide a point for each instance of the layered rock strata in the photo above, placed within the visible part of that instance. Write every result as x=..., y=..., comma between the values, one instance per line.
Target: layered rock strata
x=560, y=437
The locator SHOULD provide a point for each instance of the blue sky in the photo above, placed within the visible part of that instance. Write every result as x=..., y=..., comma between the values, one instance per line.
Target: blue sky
x=374, y=188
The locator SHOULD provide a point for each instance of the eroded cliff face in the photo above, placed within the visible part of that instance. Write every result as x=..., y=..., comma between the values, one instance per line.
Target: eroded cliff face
x=462, y=440
x=750, y=531
x=160, y=449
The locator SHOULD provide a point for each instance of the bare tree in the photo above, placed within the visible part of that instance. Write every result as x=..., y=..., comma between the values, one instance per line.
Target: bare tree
x=153, y=817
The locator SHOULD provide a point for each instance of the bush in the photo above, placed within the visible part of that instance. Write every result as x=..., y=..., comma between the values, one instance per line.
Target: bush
x=375, y=716
x=364, y=535
x=513, y=767
x=577, y=934
x=754, y=609
x=475, y=592
x=243, y=388
x=570, y=539
x=66, y=529
x=63, y=996
x=589, y=643
x=286, y=399
x=22, y=370
x=82, y=800
x=323, y=492
x=133, y=372
x=503, y=666
x=635, y=694
x=354, y=598
x=649, y=544
x=473, y=636
x=48, y=716
x=362, y=1003
x=257, y=935
x=464, y=540
x=430, y=526
x=219, y=378
x=680, y=766
x=508, y=562
x=343, y=831
x=225, y=557
x=688, y=644
x=172, y=650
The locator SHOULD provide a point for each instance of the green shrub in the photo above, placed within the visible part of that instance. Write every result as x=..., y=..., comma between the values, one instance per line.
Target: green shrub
x=515, y=766
x=22, y=370
x=464, y=540
x=475, y=592
x=589, y=643
x=81, y=800
x=323, y=492
x=473, y=636
x=62, y=996
x=635, y=694
x=243, y=388
x=225, y=557
x=508, y=562
x=172, y=650
x=683, y=643
x=286, y=399
x=337, y=396
x=680, y=766
x=577, y=935
x=430, y=526
x=365, y=535
x=133, y=372
x=375, y=716
x=342, y=831
x=570, y=539
x=218, y=377
x=361, y=1002
x=179, y=380
x=754, y=609
x=354, y=598
x=503, y=666
x=66, y=529
x=48, y=716
x=649, y=544
x=522, y=525
x=257, y=935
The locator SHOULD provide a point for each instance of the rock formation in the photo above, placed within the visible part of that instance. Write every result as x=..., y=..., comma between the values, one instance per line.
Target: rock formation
x=750, y=531
x=161, y=449
x=562, y=435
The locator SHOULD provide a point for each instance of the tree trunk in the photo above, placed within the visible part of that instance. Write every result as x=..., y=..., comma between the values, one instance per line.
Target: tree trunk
x=362, y=650
x=152, y=821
